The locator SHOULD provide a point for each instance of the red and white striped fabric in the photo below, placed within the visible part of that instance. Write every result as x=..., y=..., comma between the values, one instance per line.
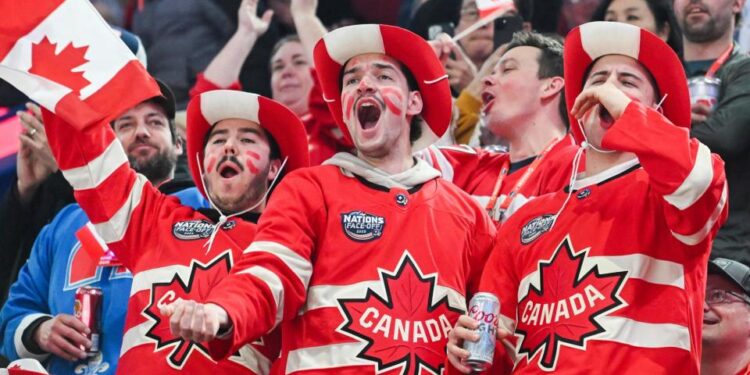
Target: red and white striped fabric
x=62, y=54
x=617, y=284
x=488, y=7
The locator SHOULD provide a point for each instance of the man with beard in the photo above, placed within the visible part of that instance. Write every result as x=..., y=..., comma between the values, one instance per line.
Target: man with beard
x=608, y=274
x=37, y=320
x=238, y=145
x=711, y=58
x=367, y=260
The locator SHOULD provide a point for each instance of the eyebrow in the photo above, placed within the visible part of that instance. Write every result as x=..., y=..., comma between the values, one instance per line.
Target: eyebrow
x=295, y=56
x=626, y=74
x=241, y=130
x=380, y=66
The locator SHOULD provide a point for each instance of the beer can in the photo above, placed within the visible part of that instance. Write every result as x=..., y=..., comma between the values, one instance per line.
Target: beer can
x=88, y=309
x=704, y=90
x=484, y=308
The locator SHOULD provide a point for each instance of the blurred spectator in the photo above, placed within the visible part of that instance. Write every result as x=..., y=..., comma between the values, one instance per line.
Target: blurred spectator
x=722, y=123
x=37, y=193
x=656, y=16
x=726, y=319
x=37, y=321
x=181, y=37
x=111, y=11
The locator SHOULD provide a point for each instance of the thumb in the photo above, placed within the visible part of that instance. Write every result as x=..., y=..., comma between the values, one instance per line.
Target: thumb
x=267, y=15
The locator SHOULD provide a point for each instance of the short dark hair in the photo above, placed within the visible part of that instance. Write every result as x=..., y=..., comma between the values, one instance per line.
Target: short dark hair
x=550, y=60
x=415, y=126
x=663, y=15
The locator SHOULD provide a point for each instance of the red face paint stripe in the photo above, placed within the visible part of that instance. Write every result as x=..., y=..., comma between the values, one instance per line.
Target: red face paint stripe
x=253, y=155
x=211, y=164
x=251, y=167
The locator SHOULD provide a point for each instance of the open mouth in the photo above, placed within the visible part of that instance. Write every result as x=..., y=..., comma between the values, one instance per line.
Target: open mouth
x=709, y=321
x=487, y=99
x=605, y=118
x=228, y=170
x=368, y=115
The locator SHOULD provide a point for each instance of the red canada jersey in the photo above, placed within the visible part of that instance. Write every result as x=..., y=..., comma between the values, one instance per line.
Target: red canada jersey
x=476, y=171
x=162, y=243
x=363, y=279
x=616, y=282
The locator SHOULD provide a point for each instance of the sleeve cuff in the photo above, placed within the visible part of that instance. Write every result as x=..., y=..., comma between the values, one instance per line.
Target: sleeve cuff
x=24, y=337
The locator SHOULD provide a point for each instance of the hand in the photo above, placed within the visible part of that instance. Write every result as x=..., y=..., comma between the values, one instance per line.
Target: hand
x=34, y=162
x=465, y=329
x=461, y=71
x=606, y=94
x=63, y=336
x=699, y=112
x=248, y=21
x=303, y=7
x=195, y=321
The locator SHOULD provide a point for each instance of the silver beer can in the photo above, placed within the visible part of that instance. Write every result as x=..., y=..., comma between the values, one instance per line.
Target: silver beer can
x=704, y=90
x=484, y=308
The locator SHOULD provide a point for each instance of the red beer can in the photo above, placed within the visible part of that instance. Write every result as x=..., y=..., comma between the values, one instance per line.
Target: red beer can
x=88, y=309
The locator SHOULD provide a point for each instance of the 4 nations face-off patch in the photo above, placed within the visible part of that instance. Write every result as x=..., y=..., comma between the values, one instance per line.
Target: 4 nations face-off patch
x=536, y=227
x=362, y=227
x=563, y=305
x=189, y=230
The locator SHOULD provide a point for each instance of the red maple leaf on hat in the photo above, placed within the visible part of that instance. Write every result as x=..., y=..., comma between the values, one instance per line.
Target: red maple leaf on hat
x=59, y=67
x=564, y=311
x=404, y=331
x=202, y=278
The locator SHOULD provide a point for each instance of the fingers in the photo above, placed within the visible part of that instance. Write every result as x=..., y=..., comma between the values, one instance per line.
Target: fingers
x=176, y=316
x=190, y=320
x=35, y=109
x=696, y=118
x=584, y=102
x=60, y=347
x=74, y=323
x=457, y=361
x=67, y=338
x=267, y=15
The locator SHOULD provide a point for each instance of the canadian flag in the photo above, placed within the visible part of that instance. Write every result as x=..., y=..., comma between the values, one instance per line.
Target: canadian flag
x=63, y=55
x=488, y=7
x=24, y=366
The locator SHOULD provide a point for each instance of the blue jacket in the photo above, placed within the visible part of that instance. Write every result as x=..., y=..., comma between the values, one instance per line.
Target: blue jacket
x=47, y=284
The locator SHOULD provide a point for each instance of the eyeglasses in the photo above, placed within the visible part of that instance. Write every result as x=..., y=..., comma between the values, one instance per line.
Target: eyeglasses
x=719, y=296
x=470, y=13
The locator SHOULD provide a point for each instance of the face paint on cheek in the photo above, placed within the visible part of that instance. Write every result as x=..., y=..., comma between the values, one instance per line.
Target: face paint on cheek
x=250, y=166
x=211, y=164
x=253, y=155
x=348, y=104
x=393, y=100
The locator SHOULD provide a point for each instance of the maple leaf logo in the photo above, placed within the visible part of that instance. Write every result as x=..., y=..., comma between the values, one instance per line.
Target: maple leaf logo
x=59, y=67
x=202, y=278
x=564, y=310
x=403, y=328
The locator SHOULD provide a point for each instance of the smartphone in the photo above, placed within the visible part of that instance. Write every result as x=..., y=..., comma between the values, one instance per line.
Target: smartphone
x=505, y=27
x=446, y=27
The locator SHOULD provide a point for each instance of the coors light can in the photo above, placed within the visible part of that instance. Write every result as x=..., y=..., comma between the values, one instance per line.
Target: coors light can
x=484, y=308
x=88, y=309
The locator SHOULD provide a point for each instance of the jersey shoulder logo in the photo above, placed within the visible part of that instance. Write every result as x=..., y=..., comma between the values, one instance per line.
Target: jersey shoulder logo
x=536, y=227
x=202, y=277
x=196, y=229
x=566, y=300
x=406, y=329
x=361, y=226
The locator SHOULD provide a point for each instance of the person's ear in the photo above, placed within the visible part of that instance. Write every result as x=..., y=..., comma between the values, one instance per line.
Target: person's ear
x=415, y=104
x=273, y=169
x=552, y=87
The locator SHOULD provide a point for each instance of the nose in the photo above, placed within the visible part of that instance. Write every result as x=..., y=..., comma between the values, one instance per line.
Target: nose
x=141, y=130
x=230, y=147
x=489, y=81
x=287, y=71
x=365, y=85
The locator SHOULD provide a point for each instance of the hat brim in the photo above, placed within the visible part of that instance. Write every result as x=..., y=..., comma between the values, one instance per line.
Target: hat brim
x=166, y=100
x=207, y=109
x=337, y=47
x=590, y=41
